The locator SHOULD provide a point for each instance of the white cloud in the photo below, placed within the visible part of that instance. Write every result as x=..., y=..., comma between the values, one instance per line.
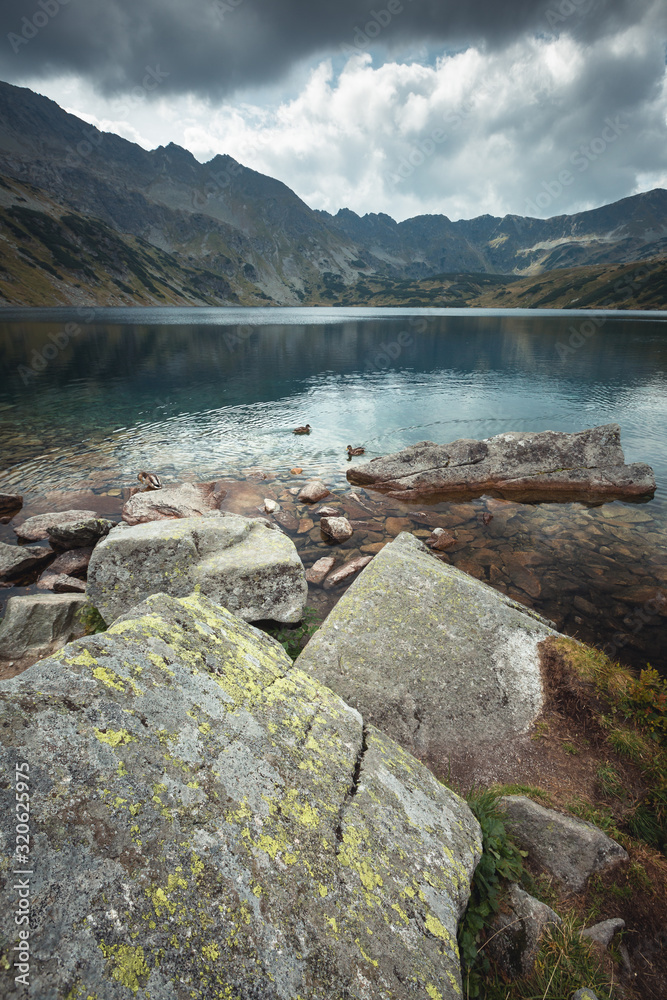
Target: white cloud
x=472, y=133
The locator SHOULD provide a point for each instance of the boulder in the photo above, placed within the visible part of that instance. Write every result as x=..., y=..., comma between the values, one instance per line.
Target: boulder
x=543, y=465
x=37, y=624
x=270, y=506
x=16, y=560
x=319, y=570
x=571, y=849
x=34, y=529
x=347, y=570
x=313, y=492
x=72, y=562
x=328, y=511
x=79, y=534
x=210, y=821
x=336, y=529
x=439, y=661
x=179, y=500
x=10, y=503
x=239, y=562
x=516, y=934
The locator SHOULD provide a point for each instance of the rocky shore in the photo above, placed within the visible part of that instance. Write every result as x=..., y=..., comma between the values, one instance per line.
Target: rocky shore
x=212, y=816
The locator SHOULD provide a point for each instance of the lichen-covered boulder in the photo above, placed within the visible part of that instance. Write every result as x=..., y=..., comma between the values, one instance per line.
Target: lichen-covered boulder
x=440, y=662
x=208, y=821
x=240, y=562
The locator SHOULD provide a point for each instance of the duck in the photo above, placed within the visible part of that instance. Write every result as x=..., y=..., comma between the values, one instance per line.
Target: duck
x=302, y=430
x=354, y=451
x=150, y=480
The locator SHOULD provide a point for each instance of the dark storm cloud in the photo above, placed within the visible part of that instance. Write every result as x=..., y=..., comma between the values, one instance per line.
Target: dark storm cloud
x=212, y=47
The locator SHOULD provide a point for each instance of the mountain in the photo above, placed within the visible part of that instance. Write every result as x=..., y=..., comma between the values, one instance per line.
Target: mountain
x=86, y=216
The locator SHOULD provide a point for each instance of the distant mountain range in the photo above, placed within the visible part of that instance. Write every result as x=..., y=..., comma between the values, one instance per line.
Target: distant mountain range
x=86, y=216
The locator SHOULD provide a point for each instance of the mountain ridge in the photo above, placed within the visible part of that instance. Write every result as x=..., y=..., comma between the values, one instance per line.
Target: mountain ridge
x=263, y=242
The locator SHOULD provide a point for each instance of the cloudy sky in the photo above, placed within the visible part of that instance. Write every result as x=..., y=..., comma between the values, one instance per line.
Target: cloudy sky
x=534, y=107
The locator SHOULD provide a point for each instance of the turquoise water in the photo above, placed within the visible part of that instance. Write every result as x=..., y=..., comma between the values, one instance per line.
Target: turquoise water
x=88, y=398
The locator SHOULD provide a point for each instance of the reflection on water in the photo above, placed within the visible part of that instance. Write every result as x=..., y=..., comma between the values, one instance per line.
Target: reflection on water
x=201, y=397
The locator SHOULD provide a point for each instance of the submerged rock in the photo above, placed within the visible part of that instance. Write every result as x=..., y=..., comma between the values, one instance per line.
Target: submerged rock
x=35, y=529
x=37, y=624
x=441, y=540
x=439, y=661
x=336, y=529
x=313, y=492
x=544, y=465
x=319, y=570
x=571, y=849
x=239, y=562
x=212, y=821
x=181, y=500
x=344, y=572
x=10, y=503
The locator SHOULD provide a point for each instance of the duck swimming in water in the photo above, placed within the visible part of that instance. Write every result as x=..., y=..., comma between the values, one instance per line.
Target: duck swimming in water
x=150, y=480
x=302, y=430
x=354, y=451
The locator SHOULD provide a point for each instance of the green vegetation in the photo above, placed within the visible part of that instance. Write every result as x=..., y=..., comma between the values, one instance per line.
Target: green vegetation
x=293, y=638
x=501, y=861
x=92, y=620
x=634, y=724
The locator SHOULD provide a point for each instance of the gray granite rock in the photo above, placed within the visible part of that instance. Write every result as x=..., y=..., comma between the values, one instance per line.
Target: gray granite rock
x=34, y=529
x=569, y=848
x=79, y=534
x=207, y=820
x=542, y=465
x=516, y=935
x=584, y=994
x=18, y=559
x=239, y=562
x=64, y=584
x=604, y=931
x=36, y=624
x=439, y=661
x=179, y=500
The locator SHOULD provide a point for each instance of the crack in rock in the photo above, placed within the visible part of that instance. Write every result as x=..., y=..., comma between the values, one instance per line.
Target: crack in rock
x=354, y=786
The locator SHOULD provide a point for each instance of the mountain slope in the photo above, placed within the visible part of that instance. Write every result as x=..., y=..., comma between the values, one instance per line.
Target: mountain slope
x=176, y=230
x=602, y=286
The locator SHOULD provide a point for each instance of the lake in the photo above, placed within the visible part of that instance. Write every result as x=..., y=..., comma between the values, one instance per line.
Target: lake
x=90, y=397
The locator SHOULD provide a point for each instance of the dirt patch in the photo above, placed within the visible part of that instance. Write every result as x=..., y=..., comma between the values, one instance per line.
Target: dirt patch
x=562, y=762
